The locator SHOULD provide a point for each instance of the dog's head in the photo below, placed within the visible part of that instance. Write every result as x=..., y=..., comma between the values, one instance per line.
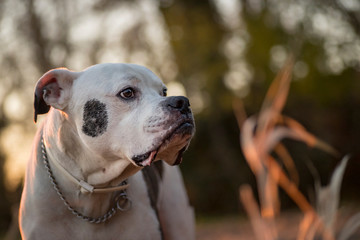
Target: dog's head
x=120, y=111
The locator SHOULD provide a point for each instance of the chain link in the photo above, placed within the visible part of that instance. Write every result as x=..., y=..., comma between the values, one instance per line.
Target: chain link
x=122, y=201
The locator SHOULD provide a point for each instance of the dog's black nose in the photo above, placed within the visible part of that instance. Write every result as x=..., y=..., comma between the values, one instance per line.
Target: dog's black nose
x=179, y=103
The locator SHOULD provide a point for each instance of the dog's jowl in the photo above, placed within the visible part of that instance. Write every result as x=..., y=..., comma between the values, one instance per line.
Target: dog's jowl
x=95, y=170
x=95, y=118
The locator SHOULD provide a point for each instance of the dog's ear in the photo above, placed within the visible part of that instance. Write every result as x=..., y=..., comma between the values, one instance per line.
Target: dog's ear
x=53, y=89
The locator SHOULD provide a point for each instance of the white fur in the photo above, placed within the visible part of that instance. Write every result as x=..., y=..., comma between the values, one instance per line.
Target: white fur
x=134, y=127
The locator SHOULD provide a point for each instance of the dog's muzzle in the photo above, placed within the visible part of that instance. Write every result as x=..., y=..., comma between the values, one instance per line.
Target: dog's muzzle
x=183, y=128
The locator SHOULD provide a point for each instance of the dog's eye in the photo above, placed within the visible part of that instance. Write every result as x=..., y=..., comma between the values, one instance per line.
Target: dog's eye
x=127, y=93
x=164, y=92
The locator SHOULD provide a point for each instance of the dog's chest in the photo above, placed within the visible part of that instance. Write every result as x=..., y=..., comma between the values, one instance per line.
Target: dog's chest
x=139, y=222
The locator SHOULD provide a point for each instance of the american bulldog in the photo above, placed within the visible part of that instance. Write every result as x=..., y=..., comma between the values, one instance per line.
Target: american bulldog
x=97, y=168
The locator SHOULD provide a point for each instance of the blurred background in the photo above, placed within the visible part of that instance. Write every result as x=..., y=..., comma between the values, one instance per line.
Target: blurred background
x=213, y=51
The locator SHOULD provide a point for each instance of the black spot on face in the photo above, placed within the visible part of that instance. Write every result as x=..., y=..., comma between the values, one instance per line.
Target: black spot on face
x=95, y=118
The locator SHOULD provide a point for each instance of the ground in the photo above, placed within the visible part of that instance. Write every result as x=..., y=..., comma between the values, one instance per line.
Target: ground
x=238, y=228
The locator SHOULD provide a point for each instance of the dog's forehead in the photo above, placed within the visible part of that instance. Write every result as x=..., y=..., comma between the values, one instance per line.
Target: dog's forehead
x=113, y=75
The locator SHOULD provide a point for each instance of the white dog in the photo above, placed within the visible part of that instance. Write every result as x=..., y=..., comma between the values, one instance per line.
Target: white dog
x=83, y=180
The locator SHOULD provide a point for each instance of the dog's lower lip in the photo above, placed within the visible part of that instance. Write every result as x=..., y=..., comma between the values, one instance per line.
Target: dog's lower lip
x=145, y=159
x=140, y=158
x=186, y=127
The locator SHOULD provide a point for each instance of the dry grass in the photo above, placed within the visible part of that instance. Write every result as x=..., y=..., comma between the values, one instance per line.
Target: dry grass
x=260, y=137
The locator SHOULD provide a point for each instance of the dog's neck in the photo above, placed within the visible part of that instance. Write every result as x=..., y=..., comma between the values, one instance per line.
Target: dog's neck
x=64, y=146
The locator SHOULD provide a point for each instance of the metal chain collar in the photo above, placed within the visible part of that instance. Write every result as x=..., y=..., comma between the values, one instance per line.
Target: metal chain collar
x=122, y=201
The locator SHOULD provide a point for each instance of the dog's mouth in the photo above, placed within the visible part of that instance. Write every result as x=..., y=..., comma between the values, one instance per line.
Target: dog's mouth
x=181, y=135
